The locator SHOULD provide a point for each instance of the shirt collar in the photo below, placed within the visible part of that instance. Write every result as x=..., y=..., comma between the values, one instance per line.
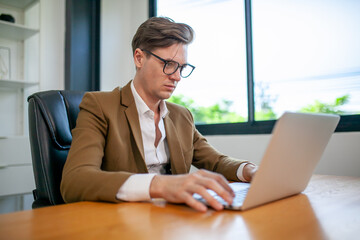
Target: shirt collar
x=141, y=106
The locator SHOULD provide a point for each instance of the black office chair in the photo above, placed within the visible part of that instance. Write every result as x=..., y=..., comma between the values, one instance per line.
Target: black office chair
x=52, y=116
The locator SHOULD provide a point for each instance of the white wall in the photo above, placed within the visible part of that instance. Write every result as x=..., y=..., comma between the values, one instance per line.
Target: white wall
x=52, y=44
x=341, y=156
x=120, y=20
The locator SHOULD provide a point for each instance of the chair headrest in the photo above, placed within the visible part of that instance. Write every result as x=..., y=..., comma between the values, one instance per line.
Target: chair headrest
x=59, y=110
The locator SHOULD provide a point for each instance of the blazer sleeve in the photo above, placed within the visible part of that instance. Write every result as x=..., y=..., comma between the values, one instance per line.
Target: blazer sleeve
x=83, y=179
x=207, y=157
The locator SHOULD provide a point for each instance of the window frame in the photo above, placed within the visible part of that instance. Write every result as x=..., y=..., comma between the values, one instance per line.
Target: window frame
x=348, y=123
x=82, y=31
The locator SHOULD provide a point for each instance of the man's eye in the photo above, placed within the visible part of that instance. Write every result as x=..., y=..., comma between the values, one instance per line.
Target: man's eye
x=171, y=64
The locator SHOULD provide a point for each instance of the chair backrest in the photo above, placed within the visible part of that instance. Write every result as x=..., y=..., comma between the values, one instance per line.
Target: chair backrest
x=52, y=116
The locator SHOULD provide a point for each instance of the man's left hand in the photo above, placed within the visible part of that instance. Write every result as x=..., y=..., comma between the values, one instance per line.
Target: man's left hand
x=249, y=171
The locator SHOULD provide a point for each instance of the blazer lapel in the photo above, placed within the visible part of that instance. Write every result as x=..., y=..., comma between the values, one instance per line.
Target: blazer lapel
x=177, y=159
x=131, y=113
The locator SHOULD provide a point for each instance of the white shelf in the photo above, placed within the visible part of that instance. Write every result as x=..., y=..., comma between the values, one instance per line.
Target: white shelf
x=16, y=137
x=18, y=3
x=16, y=84
x=16, y=180
x=16, y=174
x=16, y=31
x=10, y=154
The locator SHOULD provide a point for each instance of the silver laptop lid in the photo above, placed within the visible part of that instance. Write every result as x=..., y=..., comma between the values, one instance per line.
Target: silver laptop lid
x=296, y=146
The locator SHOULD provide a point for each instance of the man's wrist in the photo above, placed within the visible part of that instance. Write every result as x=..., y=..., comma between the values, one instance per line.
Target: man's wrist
x=249, y=171
x=239, y=172
x=155, y=187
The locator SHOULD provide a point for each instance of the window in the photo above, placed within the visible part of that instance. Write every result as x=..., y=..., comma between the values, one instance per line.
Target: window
x=307, y=56
x=216, y=91
x=302, y=56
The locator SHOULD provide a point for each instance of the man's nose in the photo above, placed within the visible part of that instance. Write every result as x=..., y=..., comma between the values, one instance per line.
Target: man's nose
x=176, y=76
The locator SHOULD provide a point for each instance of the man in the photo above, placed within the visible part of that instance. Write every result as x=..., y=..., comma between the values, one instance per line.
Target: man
x=131, y=145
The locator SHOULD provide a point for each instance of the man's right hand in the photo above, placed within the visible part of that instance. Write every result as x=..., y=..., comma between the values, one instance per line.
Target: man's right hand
x=180, y=189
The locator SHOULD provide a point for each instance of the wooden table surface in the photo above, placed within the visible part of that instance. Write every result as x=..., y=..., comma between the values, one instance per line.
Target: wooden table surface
x=328, y=209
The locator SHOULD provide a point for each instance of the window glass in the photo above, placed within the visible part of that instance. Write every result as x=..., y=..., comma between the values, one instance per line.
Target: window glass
x=306, y=56
x=216, y=92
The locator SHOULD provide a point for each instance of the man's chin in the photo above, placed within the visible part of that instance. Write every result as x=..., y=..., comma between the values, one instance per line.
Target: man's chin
x=166, y=95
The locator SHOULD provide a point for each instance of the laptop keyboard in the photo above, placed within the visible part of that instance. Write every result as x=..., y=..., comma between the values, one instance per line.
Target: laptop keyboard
x=238, y=200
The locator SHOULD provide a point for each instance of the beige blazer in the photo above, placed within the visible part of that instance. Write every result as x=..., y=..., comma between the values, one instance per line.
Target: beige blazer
x=107, y=147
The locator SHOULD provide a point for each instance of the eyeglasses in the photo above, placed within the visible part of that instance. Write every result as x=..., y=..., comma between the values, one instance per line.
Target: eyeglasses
x=170, y=67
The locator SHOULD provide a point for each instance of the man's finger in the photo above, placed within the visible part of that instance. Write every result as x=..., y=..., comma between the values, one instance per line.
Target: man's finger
x=195, y=204
x=210, y=199
x=223, y=190
x=219, y=178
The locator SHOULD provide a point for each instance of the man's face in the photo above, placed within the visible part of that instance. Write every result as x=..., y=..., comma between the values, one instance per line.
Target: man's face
x=154, y=84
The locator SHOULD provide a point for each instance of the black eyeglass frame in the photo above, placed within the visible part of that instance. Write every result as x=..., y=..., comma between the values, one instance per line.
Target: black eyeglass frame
x=166, y=62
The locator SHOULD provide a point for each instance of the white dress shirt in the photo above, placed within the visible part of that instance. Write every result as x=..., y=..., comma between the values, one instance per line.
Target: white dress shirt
x=137, y=186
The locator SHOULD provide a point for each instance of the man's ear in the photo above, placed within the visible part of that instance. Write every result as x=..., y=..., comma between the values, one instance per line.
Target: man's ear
x=138, y=58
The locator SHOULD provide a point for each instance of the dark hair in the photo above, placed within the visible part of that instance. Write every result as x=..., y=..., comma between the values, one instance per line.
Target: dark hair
x=159, y=32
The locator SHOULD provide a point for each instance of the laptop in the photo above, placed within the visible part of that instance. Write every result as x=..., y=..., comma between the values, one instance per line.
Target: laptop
x=296, y=146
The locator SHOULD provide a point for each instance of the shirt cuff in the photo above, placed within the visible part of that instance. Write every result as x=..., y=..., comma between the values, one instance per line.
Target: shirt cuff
x=239, y=172
x=136, y=188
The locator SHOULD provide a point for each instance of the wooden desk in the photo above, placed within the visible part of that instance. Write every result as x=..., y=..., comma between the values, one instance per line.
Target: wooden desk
x=328, y=209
